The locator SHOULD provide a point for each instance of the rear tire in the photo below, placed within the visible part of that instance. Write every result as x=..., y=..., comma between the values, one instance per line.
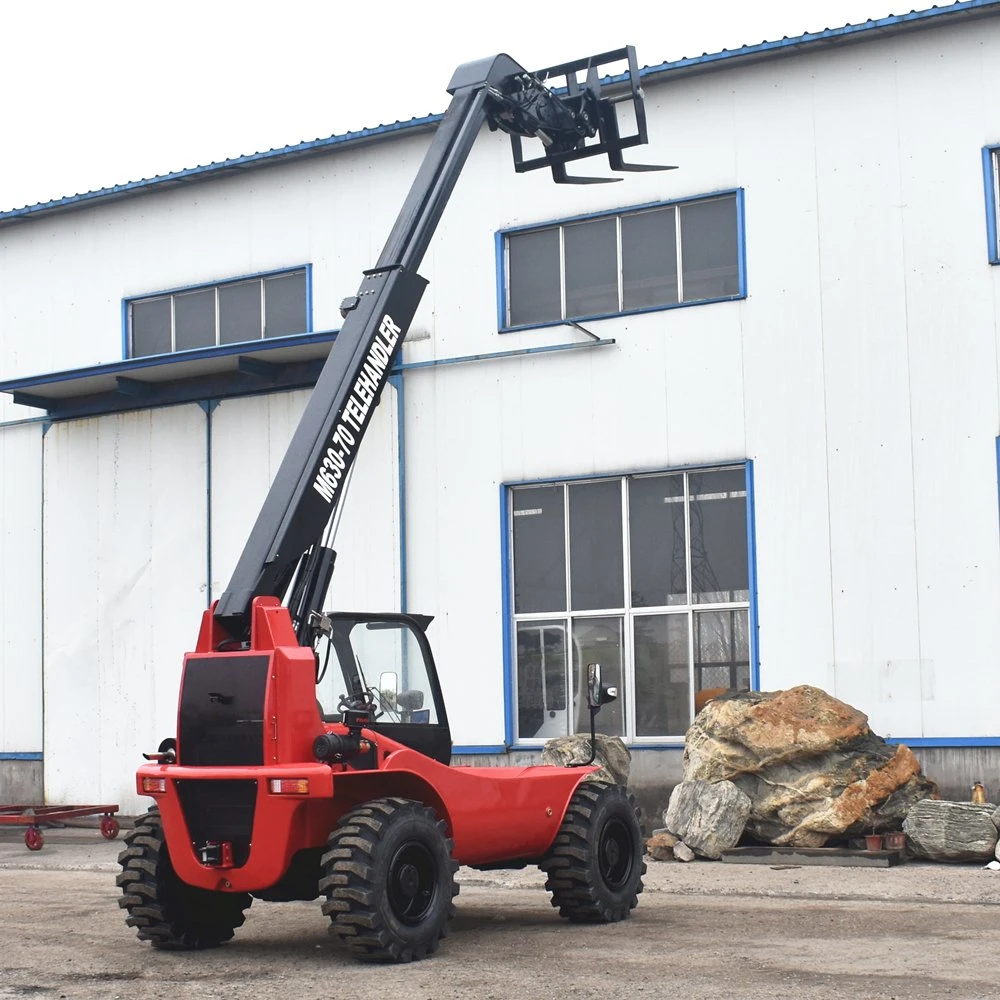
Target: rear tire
x=164, y=910
x=389, y=880
x=595, y=864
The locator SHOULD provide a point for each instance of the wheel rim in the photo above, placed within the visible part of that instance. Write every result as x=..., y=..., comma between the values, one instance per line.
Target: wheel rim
x=614, y=853
x=412, y=882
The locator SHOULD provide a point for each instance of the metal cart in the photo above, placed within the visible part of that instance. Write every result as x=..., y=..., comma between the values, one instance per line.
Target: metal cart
x=34, y=817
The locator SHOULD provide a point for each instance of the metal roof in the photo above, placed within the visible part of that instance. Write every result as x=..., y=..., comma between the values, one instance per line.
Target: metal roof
x=291, y=362
x=849, y=33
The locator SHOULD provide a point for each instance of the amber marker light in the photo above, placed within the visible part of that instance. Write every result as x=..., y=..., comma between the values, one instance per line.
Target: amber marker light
x=154, y=786
x=289, y=786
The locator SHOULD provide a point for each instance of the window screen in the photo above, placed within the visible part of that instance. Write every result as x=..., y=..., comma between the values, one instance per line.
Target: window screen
x=151, y=327
x=231, y=312
x=645, y=259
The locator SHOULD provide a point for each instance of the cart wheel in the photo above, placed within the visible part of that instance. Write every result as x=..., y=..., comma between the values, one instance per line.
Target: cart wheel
x=109, y=827
x=33, y=838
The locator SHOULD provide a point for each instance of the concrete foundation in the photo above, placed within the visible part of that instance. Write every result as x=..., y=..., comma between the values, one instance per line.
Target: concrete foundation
x=956, y=769
x=21, y=782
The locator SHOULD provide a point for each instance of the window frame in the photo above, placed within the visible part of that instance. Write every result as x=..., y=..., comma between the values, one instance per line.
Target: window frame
x=991, y=183
x=627, y=613
x=501, y=245
x=129, y=301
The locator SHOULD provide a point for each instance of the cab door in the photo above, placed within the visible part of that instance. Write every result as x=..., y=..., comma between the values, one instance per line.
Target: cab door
x=385, y=659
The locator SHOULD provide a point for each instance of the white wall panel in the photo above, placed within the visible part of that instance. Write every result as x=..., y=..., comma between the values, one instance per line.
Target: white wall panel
x=124, y=523
x=951, y=316
x=249, y=439
x=782, y=350
x=455, y=427
x=21, y=588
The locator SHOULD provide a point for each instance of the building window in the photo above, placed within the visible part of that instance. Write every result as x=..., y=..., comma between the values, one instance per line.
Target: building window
x=649, y=258
x=647, y=575
x=230, y=312
x=991, y=176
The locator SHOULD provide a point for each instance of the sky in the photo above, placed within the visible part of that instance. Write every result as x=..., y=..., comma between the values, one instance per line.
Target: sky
x=100, y=93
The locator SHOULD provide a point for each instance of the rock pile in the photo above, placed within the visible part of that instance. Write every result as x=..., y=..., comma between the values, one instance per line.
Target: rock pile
x=806, y=768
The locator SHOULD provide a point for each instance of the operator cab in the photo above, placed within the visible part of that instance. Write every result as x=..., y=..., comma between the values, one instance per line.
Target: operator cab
x=385, y=662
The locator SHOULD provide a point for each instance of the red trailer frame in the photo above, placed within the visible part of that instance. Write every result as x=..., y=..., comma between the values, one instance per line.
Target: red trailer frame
x=34, y=817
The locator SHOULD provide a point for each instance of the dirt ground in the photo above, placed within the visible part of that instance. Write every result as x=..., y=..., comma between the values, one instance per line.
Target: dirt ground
x=702, y=930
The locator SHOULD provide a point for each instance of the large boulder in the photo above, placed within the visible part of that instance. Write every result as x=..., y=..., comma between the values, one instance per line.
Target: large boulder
x=612, y=757
x=708, y=816
x=809, y=764
x=952, y=831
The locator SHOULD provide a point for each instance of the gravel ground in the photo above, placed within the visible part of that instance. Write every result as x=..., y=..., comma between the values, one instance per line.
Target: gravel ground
x=82, y=849
x=702, y=930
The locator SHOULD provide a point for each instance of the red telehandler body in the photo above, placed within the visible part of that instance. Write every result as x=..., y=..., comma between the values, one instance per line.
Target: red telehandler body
x=291, y=777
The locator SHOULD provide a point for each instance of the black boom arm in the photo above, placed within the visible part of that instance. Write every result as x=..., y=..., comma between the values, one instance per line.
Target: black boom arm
x=310, y=481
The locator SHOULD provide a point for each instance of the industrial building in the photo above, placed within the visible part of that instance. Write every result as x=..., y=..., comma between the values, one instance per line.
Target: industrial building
x=729, y=426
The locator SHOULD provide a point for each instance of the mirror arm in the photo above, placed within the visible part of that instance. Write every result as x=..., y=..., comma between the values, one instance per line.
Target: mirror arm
x=593, y=736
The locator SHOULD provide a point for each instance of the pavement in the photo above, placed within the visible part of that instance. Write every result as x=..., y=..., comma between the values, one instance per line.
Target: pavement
x=81, y=848
x=702, y=930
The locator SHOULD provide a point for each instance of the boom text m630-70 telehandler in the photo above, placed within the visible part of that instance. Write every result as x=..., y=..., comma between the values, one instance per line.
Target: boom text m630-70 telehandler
x=276, y=789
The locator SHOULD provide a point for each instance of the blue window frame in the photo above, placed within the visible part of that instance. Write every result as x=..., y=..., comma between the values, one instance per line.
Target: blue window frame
x=238, y=310
x=648, y=257
x=991, y=179
x=652, y=575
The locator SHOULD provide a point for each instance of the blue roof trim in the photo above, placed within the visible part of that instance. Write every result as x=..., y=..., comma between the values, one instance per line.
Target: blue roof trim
x=706, y=61
x=812, y=37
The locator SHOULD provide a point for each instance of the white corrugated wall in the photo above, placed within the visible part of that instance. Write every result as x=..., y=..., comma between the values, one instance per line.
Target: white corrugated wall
x=126, y=535
x=861, y=376
x=21, y=589
x=125, y=544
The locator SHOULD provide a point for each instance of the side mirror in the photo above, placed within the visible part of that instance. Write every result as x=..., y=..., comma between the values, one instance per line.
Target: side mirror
x=598, y=693
x=388, y=687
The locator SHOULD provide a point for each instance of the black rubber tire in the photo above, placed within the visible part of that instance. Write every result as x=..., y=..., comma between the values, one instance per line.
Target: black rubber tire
x=595, y=864
x=389, y=880
x=164, y=910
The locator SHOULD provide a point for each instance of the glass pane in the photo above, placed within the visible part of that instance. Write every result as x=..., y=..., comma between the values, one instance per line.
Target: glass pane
x=151, y=327
x=709, y=249
x=542, y=710
x=598, y=640
x=656, y=541
x=996, y=200
x=539, y=550
x=722, y=650
x=662, y=679
x=597, y=572
x=719, y=562
x=391, y=665
x=239, y=312
x=194, y=319
x=285, y=304
x=649, y=258
x=533, y=277
x=591, y=250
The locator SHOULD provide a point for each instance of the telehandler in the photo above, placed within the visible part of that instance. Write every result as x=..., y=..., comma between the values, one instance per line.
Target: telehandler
x=274, y=787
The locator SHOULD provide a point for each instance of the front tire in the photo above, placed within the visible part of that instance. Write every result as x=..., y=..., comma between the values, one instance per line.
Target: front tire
x=389, y=880
x=164, y=910
x=595, y=864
